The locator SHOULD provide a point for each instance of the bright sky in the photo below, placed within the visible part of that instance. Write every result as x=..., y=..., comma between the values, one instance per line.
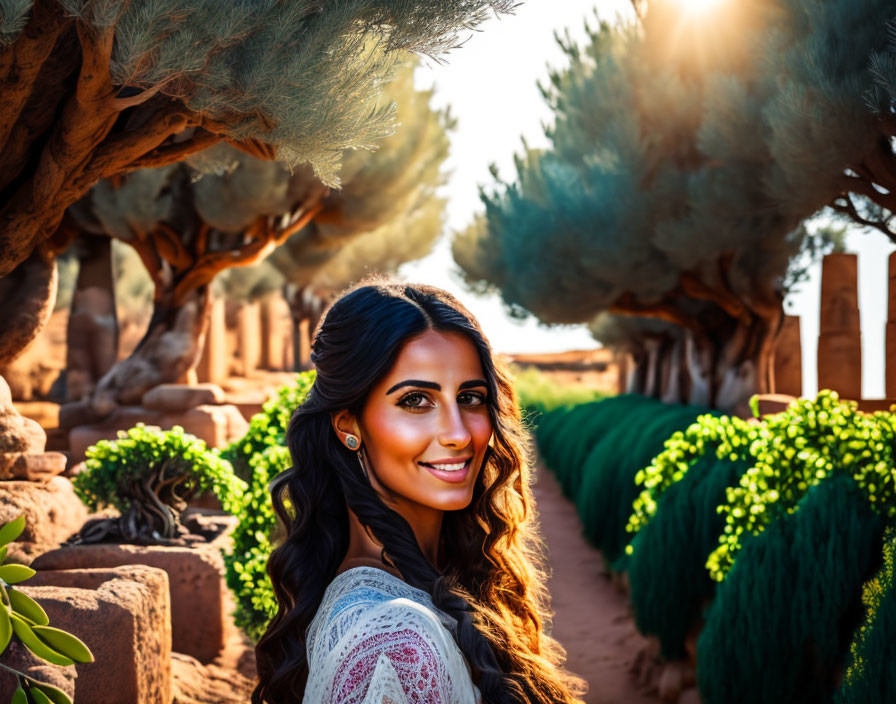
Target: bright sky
x=490, y=84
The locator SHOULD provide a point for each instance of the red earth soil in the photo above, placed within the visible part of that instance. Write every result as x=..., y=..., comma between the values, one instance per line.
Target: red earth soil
x=591, y=615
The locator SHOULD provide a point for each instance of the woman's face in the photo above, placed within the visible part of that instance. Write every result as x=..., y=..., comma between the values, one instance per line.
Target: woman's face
x=425, y=426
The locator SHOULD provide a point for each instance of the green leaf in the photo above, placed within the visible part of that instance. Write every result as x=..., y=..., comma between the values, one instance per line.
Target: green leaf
x=12, y=530
x=3, y=552
x=19, y=697
x=65, y=643
x=5, y=627
x=13, y=574
x=54, y=694
x=38, y=697
x=27, y=607
x=36, y=645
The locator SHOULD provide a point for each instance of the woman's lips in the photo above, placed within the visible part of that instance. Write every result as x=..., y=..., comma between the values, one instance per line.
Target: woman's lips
x=454, y=476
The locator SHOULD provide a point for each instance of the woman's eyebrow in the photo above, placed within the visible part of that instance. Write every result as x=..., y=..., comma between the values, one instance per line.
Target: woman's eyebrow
x=472, y=383
x=415, y=382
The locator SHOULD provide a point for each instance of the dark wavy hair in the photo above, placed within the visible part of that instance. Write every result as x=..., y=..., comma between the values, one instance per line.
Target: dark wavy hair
x=493, y=584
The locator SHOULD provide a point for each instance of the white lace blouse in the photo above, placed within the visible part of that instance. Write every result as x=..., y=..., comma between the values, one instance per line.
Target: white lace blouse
x=377, y=640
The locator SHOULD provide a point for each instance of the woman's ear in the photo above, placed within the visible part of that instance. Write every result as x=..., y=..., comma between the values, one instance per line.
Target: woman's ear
x=347, y=429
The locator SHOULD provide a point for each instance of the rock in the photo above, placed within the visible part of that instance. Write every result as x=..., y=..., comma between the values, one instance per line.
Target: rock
x=53, y=513
x=32, y=466
x=176, y=397
x=17, y=433
x=18, y=657
x=216, y=425
x=195, y=577
x=840, y=334
x=195, y=683
x=124, y=617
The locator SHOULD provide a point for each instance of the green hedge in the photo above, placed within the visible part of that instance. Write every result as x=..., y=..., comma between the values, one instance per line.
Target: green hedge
x=871, y=674
x=778, y=627
x=596, y=449
x=607, y=489
x=668, y=581
x=259, y=456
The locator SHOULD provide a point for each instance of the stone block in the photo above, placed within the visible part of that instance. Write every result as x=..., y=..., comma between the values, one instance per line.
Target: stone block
x=53, y=513
x=177, y=397
x=769, y=404
x=840, y=363
x=18, y=657
x=195, y=683
x=46, y=413
x=216, y=425
x=32, y=466
x=124, y=617
x=195, y=578
x=77, y=413
x=214, y=361
x=789, y=358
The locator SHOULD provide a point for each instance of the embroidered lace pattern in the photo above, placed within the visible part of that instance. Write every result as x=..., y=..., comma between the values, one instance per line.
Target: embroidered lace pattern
x=377, y=640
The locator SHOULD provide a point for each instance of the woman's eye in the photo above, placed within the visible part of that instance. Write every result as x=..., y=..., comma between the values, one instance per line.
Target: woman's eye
x=415, y=399
x=471, y=398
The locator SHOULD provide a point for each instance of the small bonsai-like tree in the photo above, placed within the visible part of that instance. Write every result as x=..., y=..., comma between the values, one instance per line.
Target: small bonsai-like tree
x=149, y=475
x=24, y=618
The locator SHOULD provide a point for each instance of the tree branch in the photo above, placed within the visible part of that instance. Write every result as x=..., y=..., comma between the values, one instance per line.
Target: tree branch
x=849, y=208
x=169, y=247
x=857, y=184
x=175, y=151
x=22, y=62
x=626, y=305
x=694, y=287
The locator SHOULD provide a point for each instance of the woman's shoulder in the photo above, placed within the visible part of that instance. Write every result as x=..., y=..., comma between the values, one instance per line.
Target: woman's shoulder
x=362, y=592
x=375, y=630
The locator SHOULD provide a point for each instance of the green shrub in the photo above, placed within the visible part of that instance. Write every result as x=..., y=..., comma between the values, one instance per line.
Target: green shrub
x=268, y=428
x=607, y=488
x=253, y=540
x=260, y=456
x=668, y=582
x=778, y=628
x=871, y=673
x=797, y=449
x=149, y=474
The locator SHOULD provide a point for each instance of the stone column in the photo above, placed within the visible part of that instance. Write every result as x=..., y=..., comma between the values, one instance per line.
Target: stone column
x=789, y=358
x=840, y=338
x=249, y=336
x=890, y=359
x=275, y=320
x=213, y=364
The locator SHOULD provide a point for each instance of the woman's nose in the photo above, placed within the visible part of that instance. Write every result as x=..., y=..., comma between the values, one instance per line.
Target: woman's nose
x=454, y=433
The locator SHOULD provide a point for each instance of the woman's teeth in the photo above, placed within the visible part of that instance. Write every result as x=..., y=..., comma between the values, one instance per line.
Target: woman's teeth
x=453, y=467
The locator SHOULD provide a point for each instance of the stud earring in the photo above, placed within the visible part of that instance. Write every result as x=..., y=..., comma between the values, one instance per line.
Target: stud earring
x=352, y=442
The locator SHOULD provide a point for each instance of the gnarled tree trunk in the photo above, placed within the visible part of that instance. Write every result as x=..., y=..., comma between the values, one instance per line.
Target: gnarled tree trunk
x=92, y=334
x=171, y=347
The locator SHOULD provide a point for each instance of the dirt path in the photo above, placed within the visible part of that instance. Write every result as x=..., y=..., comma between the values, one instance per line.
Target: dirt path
x=591, y=616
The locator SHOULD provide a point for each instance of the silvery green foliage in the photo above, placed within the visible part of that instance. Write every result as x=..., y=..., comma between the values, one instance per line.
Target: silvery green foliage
x=654, y=170
x=303, y=75
x=13, y=18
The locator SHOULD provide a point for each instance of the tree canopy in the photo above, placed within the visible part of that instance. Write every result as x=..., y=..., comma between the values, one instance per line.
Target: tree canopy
x=187, y=230
x=664, y=192
x=97, y=89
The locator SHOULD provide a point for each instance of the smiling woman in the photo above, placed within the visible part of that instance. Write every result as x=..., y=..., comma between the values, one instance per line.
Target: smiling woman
x=409, y=571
